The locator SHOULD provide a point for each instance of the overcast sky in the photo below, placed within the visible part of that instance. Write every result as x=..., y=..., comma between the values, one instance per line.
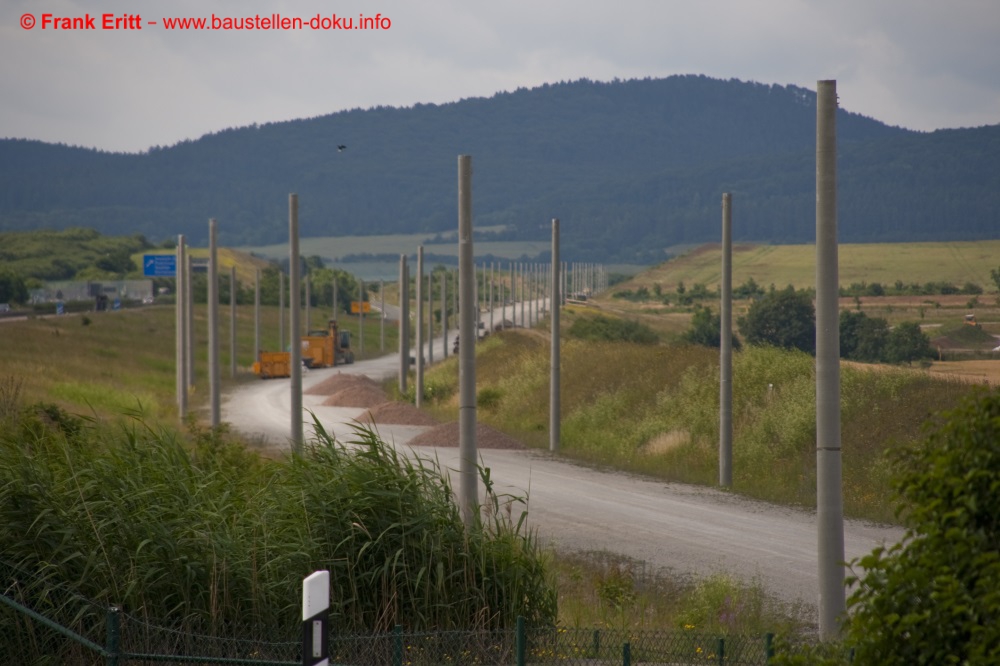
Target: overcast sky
x=921, y=64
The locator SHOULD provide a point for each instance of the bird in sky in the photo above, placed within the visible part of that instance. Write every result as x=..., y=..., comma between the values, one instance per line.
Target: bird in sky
x=341, y=148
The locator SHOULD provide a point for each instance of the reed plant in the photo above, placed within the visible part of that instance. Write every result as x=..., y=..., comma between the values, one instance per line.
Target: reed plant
x=195, y=530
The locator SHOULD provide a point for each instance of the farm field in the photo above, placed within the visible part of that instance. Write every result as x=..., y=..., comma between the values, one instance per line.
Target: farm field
x=781, y=265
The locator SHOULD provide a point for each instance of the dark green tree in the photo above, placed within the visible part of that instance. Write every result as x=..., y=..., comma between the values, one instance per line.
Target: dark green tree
x=12, y=288
x=907, y=343
x=863, y=338
x=784, y=318
x=706, y=329
x=934, y=598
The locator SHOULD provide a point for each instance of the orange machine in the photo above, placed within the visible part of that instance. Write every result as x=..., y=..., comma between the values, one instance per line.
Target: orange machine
x=320, y=349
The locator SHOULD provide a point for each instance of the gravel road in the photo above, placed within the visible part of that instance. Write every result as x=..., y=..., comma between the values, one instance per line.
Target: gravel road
x=690, y=530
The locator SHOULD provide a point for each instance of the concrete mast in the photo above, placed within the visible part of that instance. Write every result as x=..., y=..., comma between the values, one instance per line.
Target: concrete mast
x=295, y=286
x=829, y=494
x=468, y=492
x=213, y=325
x=726, y=349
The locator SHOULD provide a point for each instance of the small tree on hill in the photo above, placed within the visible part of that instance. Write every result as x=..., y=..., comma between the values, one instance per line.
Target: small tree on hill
x=706, y=329
x=783, y=318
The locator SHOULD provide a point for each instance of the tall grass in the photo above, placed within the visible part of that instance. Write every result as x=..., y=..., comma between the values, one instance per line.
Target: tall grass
x=198, y=531
x=655, y=409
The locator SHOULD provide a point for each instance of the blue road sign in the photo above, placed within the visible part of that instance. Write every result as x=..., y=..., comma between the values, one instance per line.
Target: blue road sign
x=159, y=265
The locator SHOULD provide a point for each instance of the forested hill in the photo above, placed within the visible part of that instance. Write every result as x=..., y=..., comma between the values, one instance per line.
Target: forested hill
x=630, y=167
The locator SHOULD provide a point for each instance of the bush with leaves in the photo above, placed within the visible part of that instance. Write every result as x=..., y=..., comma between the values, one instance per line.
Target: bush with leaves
x=612, y=329
x=907, y=343
x=935, y=597
x=706, y=329
x=784, y=318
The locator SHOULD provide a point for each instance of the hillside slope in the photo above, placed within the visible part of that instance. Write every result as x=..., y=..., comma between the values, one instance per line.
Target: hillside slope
x=630, y=167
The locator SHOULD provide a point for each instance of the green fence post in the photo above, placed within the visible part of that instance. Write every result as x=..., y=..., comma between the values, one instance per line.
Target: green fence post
x=721, y=651
x=768, y=647
x=597, y=642
x=519, y=641
x=113, y=620
x=626, y=655
x=397, y=645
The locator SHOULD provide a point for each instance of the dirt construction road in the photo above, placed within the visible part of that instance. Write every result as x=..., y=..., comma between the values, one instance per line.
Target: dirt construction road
x=687, y=529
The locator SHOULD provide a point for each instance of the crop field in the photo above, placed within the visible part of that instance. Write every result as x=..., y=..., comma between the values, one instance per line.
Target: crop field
x=781, y=265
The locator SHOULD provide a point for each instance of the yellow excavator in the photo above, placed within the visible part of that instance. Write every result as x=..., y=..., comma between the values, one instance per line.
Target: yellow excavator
x=320, y=349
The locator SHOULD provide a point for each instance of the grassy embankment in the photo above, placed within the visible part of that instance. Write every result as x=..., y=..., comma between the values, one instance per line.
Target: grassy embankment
x=654, y=409
x=110, y=362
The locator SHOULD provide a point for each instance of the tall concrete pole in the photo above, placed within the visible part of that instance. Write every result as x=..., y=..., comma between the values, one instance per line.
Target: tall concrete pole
x=256, y=315
x=181, y=305
x=189, y=302
x=335, y=290
x=444, y=311
x=295, y=289
x=513, y=295
x=726, y=348
x=381, y=327
x=308, y=282
x=491, y=298
x=361, y=317
x=419, y=399
x=281, y=311
x=404, y=299
x=468, y=492
x=430, y=317
x=554, y=403
x=520, y=290
x=232, y=321
x=829, y=497
x=213, y=325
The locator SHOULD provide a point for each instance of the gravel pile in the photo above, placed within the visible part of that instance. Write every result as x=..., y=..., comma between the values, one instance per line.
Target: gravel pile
x=341, y=381
x=446, y=435
x=397, y=413
x=358, y=395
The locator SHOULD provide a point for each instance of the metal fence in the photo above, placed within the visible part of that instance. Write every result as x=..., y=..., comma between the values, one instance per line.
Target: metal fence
x=46, y=624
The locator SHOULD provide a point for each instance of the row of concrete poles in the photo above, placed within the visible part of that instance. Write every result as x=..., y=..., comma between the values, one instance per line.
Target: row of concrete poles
x=584, y=278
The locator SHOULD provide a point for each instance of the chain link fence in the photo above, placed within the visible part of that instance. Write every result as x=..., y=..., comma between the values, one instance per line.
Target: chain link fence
x=43, y=623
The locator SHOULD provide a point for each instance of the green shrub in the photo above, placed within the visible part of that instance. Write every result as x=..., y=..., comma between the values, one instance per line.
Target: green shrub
x=612, y=329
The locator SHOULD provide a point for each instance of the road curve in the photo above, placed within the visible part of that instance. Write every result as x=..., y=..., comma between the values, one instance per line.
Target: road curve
x=690, y=530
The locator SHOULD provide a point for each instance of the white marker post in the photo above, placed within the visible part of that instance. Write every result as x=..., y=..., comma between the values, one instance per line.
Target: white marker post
x=316, y=619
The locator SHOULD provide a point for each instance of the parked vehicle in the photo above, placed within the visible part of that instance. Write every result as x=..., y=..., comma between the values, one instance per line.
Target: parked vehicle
x=320, y=349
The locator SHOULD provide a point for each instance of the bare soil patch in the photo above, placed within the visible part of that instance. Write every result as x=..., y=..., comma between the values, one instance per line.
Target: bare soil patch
x=447, y=435
x=975, y=372
x=359, y=395
x=339, y=382
x=398, y=413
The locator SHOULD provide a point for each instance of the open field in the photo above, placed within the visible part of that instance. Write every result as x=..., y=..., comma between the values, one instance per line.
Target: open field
x=334, y=248
x=782, y=265
x=110, y=362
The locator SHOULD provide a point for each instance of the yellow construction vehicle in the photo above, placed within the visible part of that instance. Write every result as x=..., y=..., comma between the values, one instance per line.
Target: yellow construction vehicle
x=320, y=349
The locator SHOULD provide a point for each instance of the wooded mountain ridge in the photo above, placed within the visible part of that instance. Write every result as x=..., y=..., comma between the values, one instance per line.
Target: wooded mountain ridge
x=629, y=167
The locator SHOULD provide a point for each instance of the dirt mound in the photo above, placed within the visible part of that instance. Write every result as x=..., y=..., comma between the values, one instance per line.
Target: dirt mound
x=340, y=381
x=446, y=435
x=397, y=413
x=359, y=395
